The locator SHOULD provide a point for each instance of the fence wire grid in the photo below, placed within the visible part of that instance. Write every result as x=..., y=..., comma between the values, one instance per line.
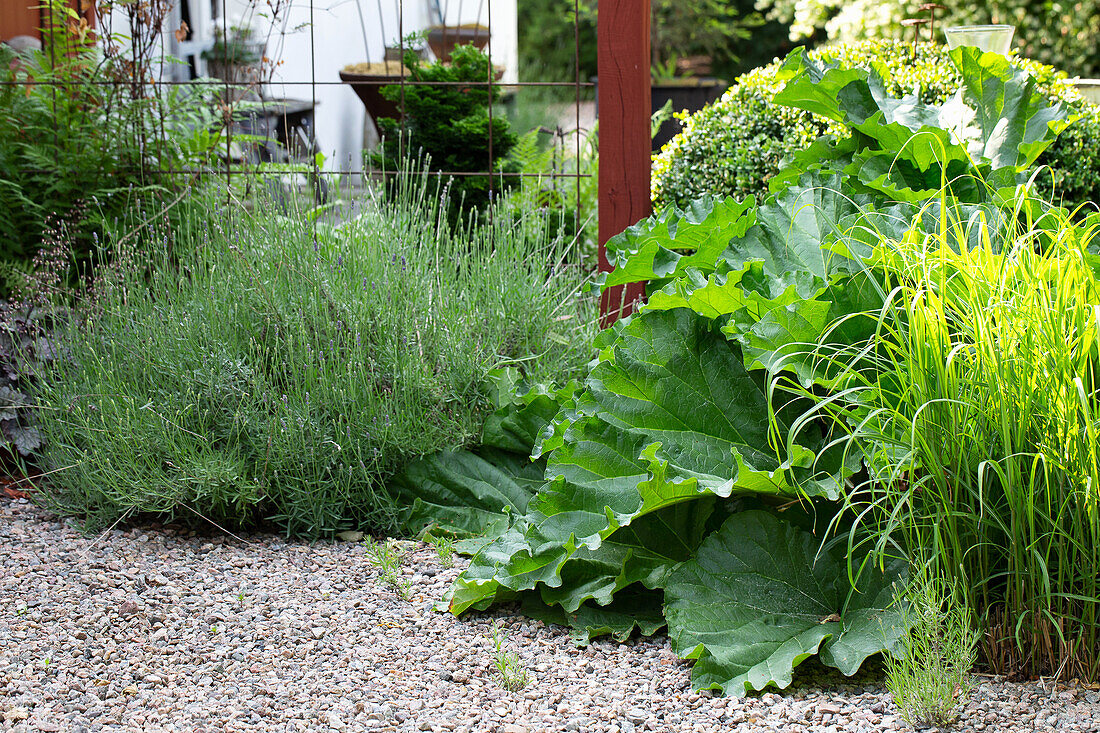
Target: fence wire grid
x=211, y=68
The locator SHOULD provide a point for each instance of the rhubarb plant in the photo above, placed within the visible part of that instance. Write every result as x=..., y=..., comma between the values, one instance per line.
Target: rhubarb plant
x=672, y=488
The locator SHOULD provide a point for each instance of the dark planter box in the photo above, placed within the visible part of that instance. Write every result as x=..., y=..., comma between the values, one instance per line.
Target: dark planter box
x=691, y=94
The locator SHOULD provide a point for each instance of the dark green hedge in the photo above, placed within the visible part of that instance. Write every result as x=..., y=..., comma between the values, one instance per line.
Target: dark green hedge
x=736, y=144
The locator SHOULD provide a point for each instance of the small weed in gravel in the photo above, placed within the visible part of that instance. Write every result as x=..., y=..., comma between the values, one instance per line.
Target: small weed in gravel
x=444, y=548
x=387, y=558
x=513, y=676
x=930, y=679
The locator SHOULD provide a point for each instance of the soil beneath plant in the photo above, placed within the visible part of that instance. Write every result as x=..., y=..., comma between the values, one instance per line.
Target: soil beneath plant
x=381, y=68
x=163, y=629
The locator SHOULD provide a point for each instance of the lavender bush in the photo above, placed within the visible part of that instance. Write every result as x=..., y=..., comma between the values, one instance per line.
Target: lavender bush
x=285, y=367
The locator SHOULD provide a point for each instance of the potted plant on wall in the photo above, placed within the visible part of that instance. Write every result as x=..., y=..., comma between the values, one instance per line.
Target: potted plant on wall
x=442, y=39
x=236, y=57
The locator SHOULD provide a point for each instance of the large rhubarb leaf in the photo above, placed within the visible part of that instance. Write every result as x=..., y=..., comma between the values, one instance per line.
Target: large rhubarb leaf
x=762, y=595
x=669, y=416
x=790, y=230
x=667, y=244
x=745, y=294
x=523, y=411
x=798, y=337
x=523, y=558
x=635, y=607
x=979, y=141
x=464, y=493
x=1016, y=121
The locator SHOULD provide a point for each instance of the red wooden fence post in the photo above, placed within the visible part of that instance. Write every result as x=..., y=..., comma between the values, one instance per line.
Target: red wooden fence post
x=24, y=17
x=622, y=28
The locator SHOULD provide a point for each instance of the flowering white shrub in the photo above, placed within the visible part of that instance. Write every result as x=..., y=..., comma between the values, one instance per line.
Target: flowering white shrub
x=842, y=20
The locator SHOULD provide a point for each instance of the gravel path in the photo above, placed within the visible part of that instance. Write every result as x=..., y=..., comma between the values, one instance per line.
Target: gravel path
x=152, y=629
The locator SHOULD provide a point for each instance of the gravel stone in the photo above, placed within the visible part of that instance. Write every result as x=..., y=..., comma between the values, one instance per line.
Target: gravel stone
x=162, y=629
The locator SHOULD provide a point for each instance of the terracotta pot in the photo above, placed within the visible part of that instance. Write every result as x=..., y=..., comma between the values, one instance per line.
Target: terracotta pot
x=369, y=89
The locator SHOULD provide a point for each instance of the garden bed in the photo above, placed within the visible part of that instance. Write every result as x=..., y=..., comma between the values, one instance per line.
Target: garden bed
x=157, y=628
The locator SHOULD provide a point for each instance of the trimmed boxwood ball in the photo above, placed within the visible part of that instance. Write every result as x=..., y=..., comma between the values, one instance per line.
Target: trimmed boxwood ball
x=732, y=147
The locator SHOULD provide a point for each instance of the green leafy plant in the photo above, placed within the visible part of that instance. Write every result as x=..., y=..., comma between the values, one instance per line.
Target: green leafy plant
x=451, y=125
x=26, y=347
x=702, y=476
x=82, y=142
x=235, y=47
x=910, y=151
x=735, y=146
x=465, y=493
x=513, y=675
x=760, y=595
x=300, y=364
x=929, y=677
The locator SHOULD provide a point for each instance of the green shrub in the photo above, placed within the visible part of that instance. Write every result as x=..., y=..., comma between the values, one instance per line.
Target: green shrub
x=283, y=370
x=450, y=124
x=733, y=147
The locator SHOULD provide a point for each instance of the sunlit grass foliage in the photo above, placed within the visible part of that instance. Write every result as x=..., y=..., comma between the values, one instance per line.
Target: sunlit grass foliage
x=975, y=406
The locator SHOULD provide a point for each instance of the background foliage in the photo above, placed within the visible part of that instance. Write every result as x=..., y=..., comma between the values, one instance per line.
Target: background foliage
x=81, y=142
x=1061, y=34
x=546, y=37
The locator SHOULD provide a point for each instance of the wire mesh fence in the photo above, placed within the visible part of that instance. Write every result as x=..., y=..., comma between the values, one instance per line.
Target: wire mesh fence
x=165, y=92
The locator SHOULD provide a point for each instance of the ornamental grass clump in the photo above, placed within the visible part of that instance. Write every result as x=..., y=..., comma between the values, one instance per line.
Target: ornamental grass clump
x=284, y=367
x=975, y=407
